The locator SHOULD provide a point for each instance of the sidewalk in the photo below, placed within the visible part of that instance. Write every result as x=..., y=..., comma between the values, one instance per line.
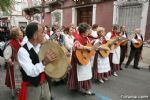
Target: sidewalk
x=145, y=63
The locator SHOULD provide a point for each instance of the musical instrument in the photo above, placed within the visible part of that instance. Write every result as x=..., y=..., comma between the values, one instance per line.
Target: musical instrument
x=7, y=50
x=84, y=55
x=125, y=41
x=57, y=68
x=54, y=37
x=110, y=45
x=139, y=44
x=103, y=52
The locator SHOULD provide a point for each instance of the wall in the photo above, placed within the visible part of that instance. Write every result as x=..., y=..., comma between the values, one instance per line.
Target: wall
x=67, y=16
x=104, y=14
x=147, y=33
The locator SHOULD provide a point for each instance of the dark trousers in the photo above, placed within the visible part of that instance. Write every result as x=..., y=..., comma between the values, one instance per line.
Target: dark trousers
x=134, y=54
x=123, y=54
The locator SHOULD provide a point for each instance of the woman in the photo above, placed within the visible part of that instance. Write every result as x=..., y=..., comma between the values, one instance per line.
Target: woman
x=68, y=40
x=114, y=56
x=101, y=69
x=16, y=38
x=80, y=75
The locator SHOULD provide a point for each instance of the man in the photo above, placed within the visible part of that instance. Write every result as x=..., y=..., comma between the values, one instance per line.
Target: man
x=123, y=47
x=34, y=85
x=135, y=53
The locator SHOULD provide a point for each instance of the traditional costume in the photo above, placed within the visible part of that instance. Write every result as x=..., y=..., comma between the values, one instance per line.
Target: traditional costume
x=135, y=53
x=10, y=75
x=114, y=56
x=101, y=69
x=80, y=75
x=34, y=85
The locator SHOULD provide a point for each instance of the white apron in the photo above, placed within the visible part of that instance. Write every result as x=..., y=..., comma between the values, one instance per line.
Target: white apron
x=84, y=72
x=116, y=56
x=103, y=64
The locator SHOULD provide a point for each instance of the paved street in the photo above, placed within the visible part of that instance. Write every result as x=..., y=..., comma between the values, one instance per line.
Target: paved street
x=130, y=82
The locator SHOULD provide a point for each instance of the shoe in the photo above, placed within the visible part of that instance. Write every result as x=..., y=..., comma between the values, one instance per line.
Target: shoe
x=101, y=81
x=126, y=67
x=89, y=93
x=136, y=68
x=121, y=68
x=115, y=74
x=105, y=79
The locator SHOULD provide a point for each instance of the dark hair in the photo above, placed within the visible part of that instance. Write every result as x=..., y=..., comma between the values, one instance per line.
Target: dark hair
x=31, y=29
x=66, y=30
x=115, y=27
x=83, y=27
x=54, y=28
x=94, y=26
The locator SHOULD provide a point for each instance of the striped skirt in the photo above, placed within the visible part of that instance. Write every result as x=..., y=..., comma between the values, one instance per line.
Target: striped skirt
x=74, y=84
x=114, y=67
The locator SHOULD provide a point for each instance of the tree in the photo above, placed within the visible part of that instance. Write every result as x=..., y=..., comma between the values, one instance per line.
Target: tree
x=6, y=5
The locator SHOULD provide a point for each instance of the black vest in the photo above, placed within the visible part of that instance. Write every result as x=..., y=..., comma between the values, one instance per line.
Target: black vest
x=132, y=47
x=35, y=59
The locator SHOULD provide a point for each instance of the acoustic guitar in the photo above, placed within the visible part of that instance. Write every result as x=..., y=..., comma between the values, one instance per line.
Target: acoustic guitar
x=139, y=44
x=110, y=45
x=84, y=55
x=125, y=41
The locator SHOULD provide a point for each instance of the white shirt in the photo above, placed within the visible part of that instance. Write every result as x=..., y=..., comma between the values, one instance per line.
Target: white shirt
x=138, y=37
x=123, y=34
x=108, y=36
x=26, y=62
x=24, y=41
x=69, y=40
x=94, y=34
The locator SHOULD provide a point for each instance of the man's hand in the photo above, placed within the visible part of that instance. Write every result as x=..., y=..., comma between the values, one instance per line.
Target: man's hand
x=49, y=57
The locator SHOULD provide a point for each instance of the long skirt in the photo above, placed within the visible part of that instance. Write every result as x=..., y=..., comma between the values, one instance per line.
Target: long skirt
x=74, y=84
x=10, y=80
x=96, y=74
x=114, y=67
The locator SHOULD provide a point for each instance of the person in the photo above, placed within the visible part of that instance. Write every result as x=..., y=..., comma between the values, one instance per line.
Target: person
x=101, y=67
x=34, y=85
x=16, y=38
x=94, y=31
x=124, y=47
x=68, y=40
x=80, y=75
x=114, y=56
x=135, y=53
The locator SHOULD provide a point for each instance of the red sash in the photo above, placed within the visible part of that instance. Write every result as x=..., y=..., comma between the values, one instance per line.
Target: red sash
x=23, y=91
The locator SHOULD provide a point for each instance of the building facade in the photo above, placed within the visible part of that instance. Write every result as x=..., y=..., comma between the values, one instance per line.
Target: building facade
x=131, y=13
x=15, y=18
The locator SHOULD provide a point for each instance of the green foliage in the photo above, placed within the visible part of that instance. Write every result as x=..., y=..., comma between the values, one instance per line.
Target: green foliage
x=6, y=5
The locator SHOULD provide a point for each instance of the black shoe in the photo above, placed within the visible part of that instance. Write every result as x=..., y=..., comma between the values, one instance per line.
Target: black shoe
x=126, y=67
x=136, y=68
x=121, y=68
x=87, y=93
x=91, y=93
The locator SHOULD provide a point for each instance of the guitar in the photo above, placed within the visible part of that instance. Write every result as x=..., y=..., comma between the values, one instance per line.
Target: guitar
x=114, y=43
x=84, y=55
x=125, y=41
x=139, y=44
x=105, y=48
